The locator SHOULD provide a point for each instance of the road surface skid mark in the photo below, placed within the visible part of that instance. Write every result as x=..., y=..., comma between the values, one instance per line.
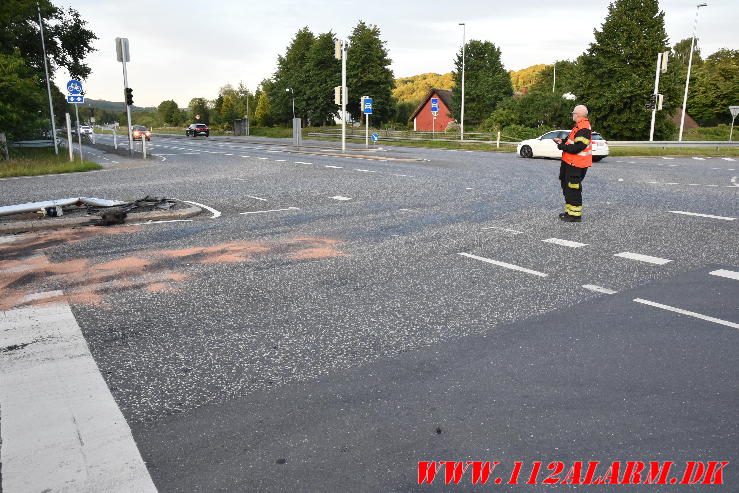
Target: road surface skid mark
x=85, y=282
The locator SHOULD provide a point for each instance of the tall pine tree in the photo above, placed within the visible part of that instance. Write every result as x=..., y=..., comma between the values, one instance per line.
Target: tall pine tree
x=486, y=82
x=290, y=79
x=617, y=72
x=324, y=73
x=368, y=73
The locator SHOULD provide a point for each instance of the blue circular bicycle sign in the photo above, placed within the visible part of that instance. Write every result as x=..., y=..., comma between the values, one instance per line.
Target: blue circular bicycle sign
x=74, y=87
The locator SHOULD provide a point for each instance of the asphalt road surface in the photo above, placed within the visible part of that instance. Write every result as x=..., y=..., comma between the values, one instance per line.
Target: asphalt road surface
x=329, y=321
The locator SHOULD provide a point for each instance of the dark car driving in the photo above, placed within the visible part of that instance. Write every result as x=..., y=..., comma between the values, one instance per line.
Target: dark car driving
x=197, y=129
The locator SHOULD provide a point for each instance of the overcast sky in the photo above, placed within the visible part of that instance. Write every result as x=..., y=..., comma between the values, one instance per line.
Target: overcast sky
x=184, y=49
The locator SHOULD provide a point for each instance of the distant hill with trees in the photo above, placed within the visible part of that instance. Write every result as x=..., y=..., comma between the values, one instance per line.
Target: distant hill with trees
x=413, y=89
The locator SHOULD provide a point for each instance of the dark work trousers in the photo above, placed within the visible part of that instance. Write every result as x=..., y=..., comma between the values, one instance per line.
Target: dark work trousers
x=571, y=177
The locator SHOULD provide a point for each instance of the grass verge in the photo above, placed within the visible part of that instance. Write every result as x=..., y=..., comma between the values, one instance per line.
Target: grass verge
x=31, y=162
x=674, y=151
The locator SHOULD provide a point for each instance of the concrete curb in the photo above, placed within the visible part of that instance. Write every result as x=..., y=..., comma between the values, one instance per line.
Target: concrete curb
x=69, y=222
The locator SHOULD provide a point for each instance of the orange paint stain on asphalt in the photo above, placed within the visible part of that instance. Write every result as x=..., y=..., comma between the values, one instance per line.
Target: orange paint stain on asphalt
x=25, y=268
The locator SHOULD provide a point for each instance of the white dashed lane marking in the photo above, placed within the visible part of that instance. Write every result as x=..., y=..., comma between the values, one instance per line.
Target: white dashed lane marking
x=643, y=258
x=271, y=210
x=340, y=197
x=566, y=243
x=709, y=216
x=599, y=289
x=688, y=313
x=505, y=265
x=728, y=274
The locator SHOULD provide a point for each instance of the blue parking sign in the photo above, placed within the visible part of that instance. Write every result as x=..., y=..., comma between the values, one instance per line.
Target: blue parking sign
x=434, y=104
x=367, y=106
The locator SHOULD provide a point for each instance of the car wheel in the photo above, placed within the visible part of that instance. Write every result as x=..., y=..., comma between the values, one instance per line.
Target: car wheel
x=598, y=158
x=526, y=152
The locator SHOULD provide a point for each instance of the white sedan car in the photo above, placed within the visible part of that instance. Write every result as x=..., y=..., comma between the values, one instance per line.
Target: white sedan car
x=545, y=146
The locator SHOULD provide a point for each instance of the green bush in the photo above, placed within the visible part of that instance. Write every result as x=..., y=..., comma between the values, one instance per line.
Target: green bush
x=519, y=132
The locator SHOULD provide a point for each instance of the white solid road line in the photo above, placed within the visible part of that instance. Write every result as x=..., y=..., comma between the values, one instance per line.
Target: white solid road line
x=505, y=264
x=61, y=428
x=340, y=197
x=688, y=313
x=728, y=159
x=272, y=210
x=710, y=216
x=567, y=243
x=699, y=159
x=643, y=258
x=212, y=210
x=599, y=289
x=729, y=274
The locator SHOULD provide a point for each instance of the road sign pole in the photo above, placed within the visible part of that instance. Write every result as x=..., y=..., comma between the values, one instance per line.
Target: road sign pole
x=79, y=134
x=128, y=109
x=143, y=144
x=433, y=127
x=656, y=91
x=69, y=138
x=48, y=82
x=366, y=131
x=734, y=111
x=343, y=96
x=115, y=139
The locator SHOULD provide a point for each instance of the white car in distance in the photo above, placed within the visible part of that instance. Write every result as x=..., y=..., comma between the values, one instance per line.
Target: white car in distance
x=545, y=146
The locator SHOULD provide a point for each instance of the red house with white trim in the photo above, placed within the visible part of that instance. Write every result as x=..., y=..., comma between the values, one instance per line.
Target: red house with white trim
x=423, y=120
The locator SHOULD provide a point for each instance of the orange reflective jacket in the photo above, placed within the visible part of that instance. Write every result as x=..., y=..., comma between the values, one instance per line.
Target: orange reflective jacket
x=583, y=159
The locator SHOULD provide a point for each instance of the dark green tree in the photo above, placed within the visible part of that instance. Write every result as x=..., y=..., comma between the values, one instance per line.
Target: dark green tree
x=566, y=80
x=716, y=88
x=169, y=113
x=199, y=106
x=324, y=73
x=368, y=73
x=617, y=72
x=67, y=39
x=21, y=96
x=290, y=79
x=486, y=82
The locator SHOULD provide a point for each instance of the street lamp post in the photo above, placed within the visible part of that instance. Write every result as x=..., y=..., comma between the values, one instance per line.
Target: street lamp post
x=461, y=116
x=292, y=93
x=690, y=65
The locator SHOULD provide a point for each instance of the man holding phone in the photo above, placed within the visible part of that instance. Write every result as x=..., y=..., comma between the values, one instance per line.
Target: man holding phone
x=577, y=157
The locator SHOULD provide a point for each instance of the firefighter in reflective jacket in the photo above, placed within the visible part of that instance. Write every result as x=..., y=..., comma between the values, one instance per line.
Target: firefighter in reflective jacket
x=577, y=157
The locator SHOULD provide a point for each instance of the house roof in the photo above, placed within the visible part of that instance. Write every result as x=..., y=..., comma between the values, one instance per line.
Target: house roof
x=444, y=94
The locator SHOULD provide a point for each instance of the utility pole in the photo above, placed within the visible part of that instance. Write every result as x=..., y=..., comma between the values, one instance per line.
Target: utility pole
x=554, y=79
x=124, y=56
x=48, y=82
x=461, y=123
x=690, y=65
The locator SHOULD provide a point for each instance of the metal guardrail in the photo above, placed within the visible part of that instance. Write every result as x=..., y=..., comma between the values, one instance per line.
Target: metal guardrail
x=672, y=143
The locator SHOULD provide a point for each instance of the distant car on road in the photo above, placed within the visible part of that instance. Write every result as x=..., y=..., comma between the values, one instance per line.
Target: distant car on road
x=85, y=129
x=197, y=129
x=140, y=131
x=544, y=146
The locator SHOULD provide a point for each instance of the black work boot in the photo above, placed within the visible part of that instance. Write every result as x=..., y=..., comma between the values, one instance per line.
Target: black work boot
x=570, y=219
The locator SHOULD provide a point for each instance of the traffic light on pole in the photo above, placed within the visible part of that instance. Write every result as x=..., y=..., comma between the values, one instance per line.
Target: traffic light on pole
x=129, y=96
